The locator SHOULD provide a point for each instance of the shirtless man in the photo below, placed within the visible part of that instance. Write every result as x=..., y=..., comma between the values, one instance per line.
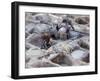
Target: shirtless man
x=46, y=40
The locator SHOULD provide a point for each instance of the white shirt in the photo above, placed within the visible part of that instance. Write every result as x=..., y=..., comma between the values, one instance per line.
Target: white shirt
x=62, y=29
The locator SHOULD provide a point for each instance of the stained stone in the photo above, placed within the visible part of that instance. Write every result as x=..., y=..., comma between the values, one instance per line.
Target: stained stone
x=66, y=47
x=79, y=54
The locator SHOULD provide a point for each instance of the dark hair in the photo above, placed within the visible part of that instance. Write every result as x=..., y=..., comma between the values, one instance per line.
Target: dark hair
x=64, y=21
x=57, y=28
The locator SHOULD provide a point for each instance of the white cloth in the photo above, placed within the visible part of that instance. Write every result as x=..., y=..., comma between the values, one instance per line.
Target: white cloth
x=63, y=29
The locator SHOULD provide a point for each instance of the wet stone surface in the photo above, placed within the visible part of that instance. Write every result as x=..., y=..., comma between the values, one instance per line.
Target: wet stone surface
x=55, y=40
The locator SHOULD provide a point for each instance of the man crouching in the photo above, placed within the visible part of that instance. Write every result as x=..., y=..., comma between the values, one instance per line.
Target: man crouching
x=46, y=38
